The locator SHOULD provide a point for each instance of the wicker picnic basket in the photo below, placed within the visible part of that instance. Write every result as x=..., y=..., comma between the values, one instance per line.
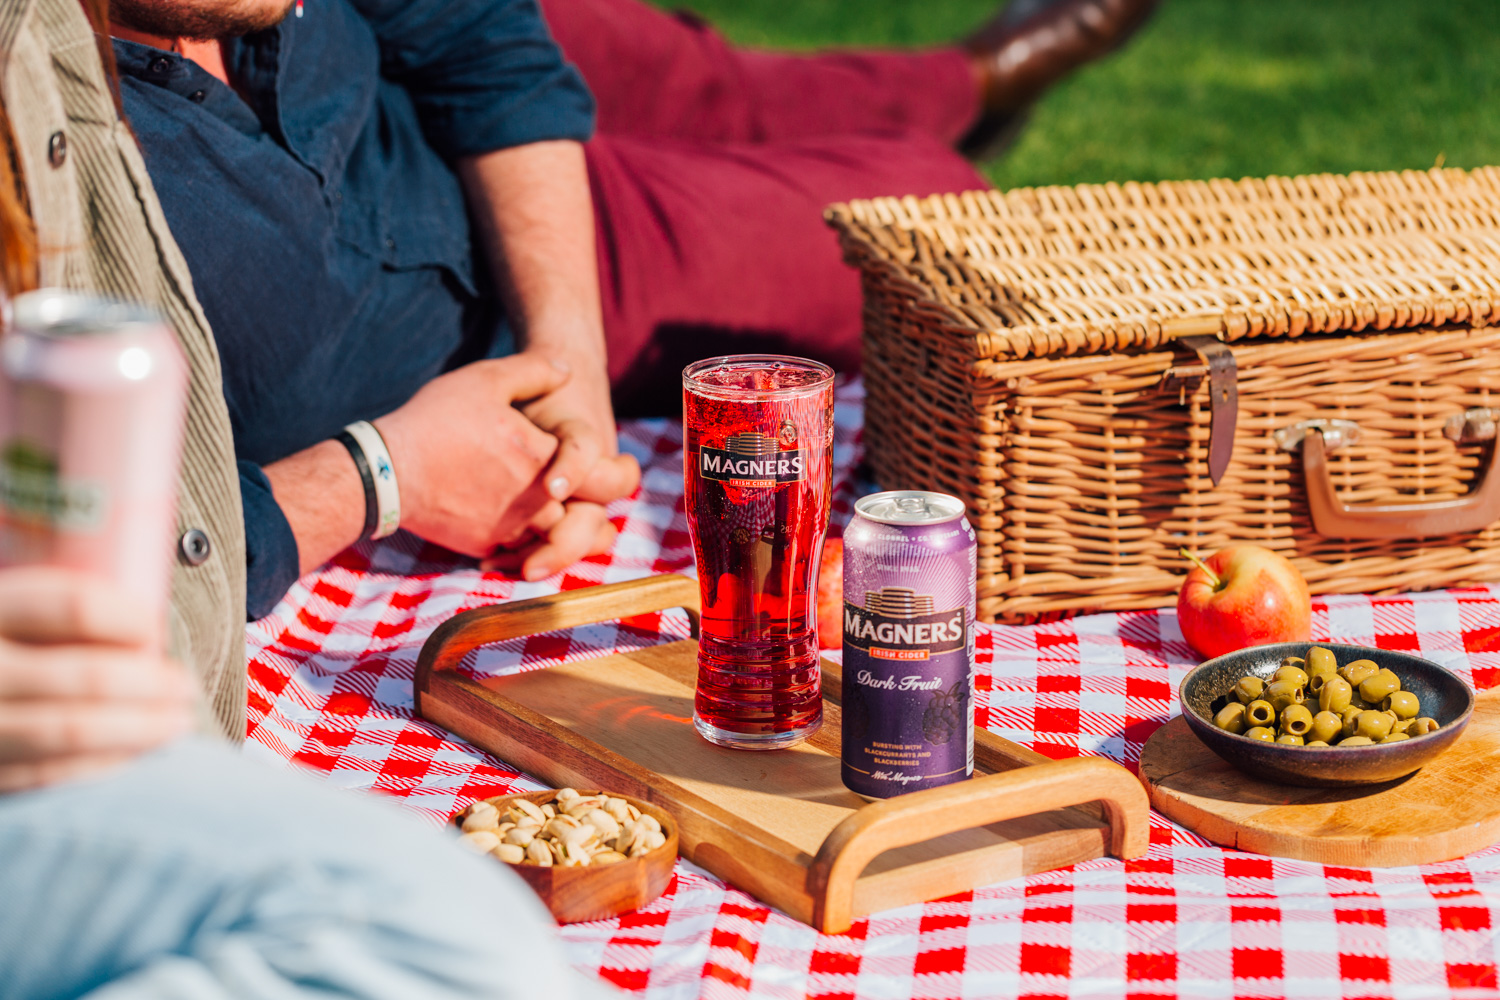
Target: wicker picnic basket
x=1108, y=374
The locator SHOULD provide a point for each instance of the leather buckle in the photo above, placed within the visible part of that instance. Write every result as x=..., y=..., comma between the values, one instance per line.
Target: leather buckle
x=1218, y=366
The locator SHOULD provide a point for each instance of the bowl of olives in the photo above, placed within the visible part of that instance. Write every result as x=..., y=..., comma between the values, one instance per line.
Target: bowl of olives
x=1325, y=714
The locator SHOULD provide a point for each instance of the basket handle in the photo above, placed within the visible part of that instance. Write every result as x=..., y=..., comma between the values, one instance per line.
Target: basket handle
x=965, y=805
x=1333, y=518
x=460, y=635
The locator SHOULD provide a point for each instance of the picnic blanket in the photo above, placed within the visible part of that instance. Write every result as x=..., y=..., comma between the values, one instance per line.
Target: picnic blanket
x=331, y=689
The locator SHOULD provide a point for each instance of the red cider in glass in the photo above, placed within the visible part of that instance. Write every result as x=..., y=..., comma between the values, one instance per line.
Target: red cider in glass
x=758, y=463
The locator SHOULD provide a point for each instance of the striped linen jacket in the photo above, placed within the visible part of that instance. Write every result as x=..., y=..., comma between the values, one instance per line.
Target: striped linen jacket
x=100, y=229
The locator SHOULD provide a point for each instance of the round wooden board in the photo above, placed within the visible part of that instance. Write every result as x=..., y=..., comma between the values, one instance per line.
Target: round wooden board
x=1448, y=809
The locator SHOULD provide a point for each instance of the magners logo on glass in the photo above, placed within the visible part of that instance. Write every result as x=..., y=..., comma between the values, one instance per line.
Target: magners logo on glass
x=752, y=460
x=897, y=623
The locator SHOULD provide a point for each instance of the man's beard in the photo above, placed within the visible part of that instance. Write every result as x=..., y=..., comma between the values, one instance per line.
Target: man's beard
x=199, y=19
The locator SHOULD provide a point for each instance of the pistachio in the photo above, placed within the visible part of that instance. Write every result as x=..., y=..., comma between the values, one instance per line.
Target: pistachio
x=538, y=853
x=650, y=842
x=566, y=795
x=581, y=807
x=618, y=809
x=549, y=810
x=558, y=825
x=520, y=835
x=480, y=816
x=528, y=808
x=577, y=836
x=482, y=841
x=608, y=858
x=650, y=823
x=510, y=853
x=603, y=822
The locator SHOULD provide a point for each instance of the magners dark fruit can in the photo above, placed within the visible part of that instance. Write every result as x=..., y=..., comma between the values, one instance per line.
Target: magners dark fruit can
x=908, y=691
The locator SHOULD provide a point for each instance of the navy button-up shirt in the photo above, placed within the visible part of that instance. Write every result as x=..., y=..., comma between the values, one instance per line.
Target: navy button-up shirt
x=321, y=218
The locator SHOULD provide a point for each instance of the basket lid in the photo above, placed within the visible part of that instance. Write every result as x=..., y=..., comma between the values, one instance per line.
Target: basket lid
x=1036, y=272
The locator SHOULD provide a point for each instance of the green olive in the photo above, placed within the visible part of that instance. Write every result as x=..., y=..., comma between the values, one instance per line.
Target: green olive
x=1402, y=726
x=1315, y=743
x=1296, y=675
x=1326, y=726
x=1294, y=661
x=1231, y=718
x=1260, y=733
x=1379, y=686
x=1356, y=671
x=1356, y=741
x=1403, y=703
x=1289, y=740
x=1320, y=660
x=1336, y=695
x=1423, y=726
x=1295, y=721
x=1350, y=717
x=1375, y=725
x=1248, y=688
x=1283, y=693
x=1395, y=738
x=1316, y=681
x=1260, y=713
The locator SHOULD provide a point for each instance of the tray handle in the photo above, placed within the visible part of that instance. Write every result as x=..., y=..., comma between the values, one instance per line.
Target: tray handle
x=1333, y=518
x=460, y=635
x=964, y=805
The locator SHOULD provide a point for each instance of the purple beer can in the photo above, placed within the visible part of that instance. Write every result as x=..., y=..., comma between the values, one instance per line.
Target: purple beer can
x=908, y=691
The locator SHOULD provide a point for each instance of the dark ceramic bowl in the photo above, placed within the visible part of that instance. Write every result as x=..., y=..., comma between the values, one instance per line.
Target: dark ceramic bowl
x=1445, y=697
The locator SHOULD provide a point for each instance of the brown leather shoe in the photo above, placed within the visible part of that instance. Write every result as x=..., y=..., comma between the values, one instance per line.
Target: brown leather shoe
x=1030, y=46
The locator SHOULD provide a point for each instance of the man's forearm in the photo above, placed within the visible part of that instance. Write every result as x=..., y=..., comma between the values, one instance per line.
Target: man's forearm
x=320, y=493
x=537, y=220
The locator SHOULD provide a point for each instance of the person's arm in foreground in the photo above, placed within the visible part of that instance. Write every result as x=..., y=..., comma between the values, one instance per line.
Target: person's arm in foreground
x=80, y=691
x=533, y=208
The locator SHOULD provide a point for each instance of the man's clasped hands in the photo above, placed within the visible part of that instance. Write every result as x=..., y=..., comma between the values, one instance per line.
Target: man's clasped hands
x=512, y=461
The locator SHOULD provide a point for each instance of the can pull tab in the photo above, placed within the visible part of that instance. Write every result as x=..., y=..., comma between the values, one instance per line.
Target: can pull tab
x=912, y=505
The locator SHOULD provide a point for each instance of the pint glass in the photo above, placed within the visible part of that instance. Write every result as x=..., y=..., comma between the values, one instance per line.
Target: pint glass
x=758, y=451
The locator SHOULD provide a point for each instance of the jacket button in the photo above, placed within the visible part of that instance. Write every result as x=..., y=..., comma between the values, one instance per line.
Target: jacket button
x=160, y=65
x=57, y=149
x=198, y=96
x=193, y=547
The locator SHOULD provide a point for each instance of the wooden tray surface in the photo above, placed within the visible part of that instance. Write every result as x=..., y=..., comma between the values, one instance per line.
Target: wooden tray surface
x=778, y=824
x=1448, y=809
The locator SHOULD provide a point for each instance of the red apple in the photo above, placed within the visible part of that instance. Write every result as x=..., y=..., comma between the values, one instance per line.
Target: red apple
x=1241, y=596
x=831, y=595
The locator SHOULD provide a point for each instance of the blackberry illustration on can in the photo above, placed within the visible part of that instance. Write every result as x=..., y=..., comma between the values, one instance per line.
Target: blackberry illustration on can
x=909, y=612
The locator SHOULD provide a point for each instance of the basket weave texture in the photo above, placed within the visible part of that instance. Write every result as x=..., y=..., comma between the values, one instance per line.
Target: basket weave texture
x=1018, y=345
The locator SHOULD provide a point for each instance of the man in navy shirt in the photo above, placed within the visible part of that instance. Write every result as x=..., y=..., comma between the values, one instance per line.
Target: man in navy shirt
x=390, y=216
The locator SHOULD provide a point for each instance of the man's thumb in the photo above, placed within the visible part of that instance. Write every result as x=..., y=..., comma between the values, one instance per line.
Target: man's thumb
x=528, y=375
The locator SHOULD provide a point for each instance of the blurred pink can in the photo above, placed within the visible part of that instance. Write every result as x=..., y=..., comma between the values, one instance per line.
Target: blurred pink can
x=91, y=408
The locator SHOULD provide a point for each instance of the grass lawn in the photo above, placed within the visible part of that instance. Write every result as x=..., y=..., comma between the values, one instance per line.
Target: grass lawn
x=1214, y=88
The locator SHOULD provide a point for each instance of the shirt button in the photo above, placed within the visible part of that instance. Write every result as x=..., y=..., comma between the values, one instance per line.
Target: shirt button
x=57, y=149
x=390, y=243
x=160, y=65
x=193, y=547
x=198, y=96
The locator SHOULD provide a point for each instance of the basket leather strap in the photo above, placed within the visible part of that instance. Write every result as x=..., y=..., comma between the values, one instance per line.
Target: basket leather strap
x=1224, y=400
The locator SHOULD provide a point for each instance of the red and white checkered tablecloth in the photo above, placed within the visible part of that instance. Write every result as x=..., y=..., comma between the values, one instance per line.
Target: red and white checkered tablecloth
x=330, y=688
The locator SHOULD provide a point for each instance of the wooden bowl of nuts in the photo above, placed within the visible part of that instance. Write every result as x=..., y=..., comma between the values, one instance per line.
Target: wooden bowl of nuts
x=589, y=855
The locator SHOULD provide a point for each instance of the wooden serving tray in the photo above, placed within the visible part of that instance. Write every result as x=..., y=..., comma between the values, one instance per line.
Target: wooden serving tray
x=1449, y=808
x=778, y=824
